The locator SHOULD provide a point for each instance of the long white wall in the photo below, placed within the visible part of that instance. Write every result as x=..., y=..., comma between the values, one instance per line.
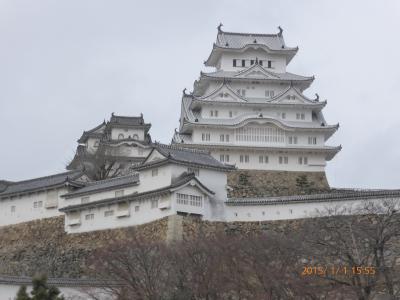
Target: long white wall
x=32, y=206
x=109, y=216
x=252, y=213
x=315, y=162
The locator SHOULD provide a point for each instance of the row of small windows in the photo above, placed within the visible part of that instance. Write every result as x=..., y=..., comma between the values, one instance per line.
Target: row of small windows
x=264, y=213
x=259, y=134
x=282, y=115
x=36, y=204
x=86, y=199
x=250, y=62
x=300, y=116
x=214, y=113
x=224, y=157
x=264, y=159
x=110, y=212
x=192, y=200
x=224, y=138
x=121, y=136
x=205, y=136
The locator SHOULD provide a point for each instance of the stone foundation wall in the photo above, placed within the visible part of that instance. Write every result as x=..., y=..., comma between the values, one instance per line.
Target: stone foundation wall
x=253, y=183
x=43, y=245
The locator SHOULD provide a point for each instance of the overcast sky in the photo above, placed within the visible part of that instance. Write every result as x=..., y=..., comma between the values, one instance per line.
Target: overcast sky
x=66, y=65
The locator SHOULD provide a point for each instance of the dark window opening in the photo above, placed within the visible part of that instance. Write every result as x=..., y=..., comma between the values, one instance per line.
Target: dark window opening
x=234, y=62
x=243, y=63
x=252, y=62
x=269, y=64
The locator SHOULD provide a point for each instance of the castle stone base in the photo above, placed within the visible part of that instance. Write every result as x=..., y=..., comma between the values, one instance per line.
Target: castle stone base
x=258, y=183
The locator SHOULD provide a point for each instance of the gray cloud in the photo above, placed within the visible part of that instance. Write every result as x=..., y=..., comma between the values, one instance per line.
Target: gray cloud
x=66, y=65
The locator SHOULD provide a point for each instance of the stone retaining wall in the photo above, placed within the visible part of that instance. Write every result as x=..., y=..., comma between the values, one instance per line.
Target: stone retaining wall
x=253, y=183
x=43, y=245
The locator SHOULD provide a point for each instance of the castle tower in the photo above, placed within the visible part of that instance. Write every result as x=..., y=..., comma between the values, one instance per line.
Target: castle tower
x=112, y=147
x=251, y=112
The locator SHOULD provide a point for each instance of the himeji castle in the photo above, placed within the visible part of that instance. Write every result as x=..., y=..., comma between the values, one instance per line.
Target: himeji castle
x=251, y=112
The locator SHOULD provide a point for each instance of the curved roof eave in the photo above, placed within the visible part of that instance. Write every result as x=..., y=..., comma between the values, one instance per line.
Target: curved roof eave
x=279, y=123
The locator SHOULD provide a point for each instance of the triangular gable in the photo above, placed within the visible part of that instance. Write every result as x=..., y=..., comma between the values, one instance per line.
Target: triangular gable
x=154, y=155
x=292, y=96
x=100, y=129
x=224, y=93
x=256, y=71
x=194, y=184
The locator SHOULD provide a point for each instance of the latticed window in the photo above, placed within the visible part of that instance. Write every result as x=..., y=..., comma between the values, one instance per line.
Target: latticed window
x=283, y=160
x=292, y=139
x=89, y=217
x=312, y=140
x=192, y=200
x=260, y=135
x=108, y=213
x=205, y=136
x=154, y=203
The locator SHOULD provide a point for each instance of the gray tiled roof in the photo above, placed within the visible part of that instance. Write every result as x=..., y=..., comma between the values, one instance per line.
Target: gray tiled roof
x=287, y=76
x=40, y=183
x=190, y=156
x=125, y=120
x=92, y=133
x=239, y=40
x=177, y=182
x=106, y=184
x=335, y=195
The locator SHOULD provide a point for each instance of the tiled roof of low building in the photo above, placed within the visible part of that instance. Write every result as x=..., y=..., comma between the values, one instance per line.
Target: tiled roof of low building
x=334, y=195
x=176, y=183
x=186, y=156
x=41, y=183
x=106, y=184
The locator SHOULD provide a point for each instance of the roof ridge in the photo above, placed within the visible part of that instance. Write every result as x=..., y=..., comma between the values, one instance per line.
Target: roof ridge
x=249, y=33
x=111, y=179
x=45, y=177
x=174, y=147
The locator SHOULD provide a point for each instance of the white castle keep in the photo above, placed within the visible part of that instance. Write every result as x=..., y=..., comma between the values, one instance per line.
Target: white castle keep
x=251, y=112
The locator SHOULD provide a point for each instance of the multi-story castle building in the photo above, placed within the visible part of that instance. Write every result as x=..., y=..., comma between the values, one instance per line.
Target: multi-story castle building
x=108, y=149
x=251, y=112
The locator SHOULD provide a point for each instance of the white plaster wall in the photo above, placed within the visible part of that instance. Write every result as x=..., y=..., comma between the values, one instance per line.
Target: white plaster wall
x=24, y=207
x=90, y=145
x=302, y=137
x=147, y=182
x=316, y=162
x=287, y=211
x=128, y=150
x=150, y=182
x=241, y=110
x=115, y=132
x=252, y=90
x=145, y=214
x=8, y=292
x=99, y=195
x=214, y=180
x=226, y=60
